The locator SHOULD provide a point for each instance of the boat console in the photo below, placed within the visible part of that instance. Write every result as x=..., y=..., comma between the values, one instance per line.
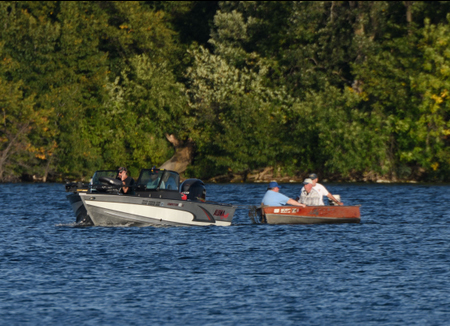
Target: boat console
x=156, y=183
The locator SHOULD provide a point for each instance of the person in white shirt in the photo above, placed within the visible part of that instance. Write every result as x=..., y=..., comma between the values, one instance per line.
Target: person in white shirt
x=322, y=190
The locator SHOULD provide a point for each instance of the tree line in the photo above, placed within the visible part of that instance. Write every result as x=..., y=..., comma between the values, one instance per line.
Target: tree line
x=351, y=89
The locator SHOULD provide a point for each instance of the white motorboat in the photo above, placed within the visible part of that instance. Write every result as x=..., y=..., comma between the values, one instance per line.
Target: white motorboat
x=156, y=199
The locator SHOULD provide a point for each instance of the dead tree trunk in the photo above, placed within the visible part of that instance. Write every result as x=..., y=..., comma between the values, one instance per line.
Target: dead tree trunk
x=409, y=18
x=408, y=5
x=183, y=156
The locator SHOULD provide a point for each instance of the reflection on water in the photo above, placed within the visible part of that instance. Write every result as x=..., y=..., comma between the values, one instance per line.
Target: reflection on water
x=392, y=268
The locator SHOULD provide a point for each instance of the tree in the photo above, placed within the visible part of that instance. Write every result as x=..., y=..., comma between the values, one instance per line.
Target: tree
x=17, y=115
x=235, y=117
x=144, y=105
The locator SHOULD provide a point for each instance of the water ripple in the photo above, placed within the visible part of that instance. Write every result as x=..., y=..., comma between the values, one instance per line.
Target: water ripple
x=391, y=269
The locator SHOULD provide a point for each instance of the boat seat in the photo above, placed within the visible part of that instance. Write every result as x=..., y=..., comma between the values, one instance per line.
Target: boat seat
x=152, y=184
x=171, y=184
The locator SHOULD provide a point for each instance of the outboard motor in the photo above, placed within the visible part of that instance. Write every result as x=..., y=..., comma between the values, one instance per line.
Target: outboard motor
x=111, y=181
x=332, y=203
x=194, y=189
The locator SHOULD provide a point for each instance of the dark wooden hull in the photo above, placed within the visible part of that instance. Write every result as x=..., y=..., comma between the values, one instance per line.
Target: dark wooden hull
x=309, y=214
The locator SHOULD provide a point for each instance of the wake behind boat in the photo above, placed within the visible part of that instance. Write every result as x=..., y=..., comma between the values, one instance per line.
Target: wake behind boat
x=305, y=215
x=157, y=200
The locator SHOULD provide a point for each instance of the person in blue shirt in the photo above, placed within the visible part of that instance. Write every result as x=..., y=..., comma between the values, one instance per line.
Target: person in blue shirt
x=273, y=197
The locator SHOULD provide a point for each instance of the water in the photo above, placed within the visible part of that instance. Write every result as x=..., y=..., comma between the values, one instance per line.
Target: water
x=391, y=269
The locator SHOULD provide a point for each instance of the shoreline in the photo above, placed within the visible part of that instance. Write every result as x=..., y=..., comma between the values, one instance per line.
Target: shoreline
x=279, y=180
x=265, y=175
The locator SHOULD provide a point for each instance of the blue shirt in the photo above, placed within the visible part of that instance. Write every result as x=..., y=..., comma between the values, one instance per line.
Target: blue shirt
x=273, y=198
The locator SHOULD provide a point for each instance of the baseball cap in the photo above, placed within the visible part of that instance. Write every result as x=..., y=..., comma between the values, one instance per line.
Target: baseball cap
x=312, y=176
x=274, y=184
x=307, y=181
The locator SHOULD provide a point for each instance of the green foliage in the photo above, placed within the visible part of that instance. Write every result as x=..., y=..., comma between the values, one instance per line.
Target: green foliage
x=17, y=121
x=342, y=87
x=415, y=104
x=143, y=105
x=232, y=114
x=335, y=135
x=432, y=127
x=246, y=124
x=64, y=53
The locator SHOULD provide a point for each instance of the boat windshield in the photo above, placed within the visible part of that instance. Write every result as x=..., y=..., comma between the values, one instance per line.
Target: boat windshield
x=103, y=173
x=158, y=179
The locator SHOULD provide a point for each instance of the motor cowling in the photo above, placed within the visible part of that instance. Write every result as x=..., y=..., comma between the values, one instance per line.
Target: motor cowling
x=107, y=185
x=194, y=189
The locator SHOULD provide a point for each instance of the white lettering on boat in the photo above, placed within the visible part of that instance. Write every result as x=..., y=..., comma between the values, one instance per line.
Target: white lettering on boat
x=151, y=203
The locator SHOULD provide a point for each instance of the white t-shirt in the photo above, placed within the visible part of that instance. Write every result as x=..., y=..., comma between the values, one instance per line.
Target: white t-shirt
x=321, y=189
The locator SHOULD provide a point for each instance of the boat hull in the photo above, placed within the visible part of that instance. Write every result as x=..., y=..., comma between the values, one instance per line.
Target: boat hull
x=120, y=210
x=309, y=214
x=78, y=208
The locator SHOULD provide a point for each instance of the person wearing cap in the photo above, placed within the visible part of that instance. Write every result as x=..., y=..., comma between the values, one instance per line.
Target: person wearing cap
x=127, y=181
x=309, y=196
x=273, y=197
x=322, y=190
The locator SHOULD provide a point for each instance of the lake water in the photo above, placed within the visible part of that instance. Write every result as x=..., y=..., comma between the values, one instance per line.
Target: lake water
x=391, y=269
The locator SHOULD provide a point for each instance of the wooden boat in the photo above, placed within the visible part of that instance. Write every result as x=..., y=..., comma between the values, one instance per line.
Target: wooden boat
x=305, y=215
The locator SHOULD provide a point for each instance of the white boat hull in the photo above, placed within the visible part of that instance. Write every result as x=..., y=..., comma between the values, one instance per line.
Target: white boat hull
x=115, y=210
